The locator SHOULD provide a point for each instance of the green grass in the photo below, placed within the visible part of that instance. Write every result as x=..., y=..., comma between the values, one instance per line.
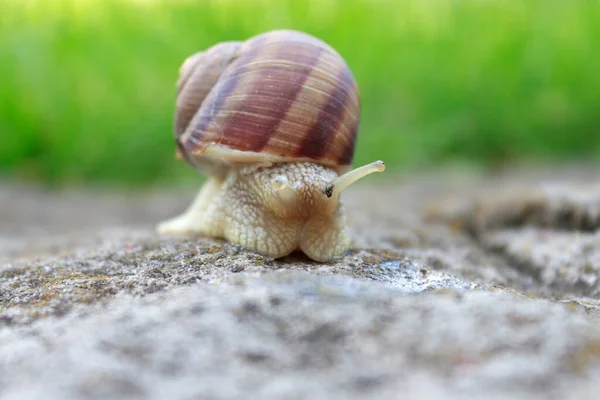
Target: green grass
x=87, y=87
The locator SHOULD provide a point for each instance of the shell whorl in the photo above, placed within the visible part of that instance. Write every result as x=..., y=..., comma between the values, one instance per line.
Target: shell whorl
x=279, y=96
x=197, y=76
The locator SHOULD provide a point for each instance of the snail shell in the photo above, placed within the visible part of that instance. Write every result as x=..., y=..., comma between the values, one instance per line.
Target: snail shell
x=282, y=96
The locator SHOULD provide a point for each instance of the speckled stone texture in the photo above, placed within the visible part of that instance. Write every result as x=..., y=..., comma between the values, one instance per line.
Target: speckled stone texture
x=457, y=286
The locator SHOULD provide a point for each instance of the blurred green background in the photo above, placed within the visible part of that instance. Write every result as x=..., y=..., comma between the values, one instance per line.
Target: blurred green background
x=87, y=87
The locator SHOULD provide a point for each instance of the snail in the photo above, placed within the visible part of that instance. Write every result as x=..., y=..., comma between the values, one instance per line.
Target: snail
x=272, y=122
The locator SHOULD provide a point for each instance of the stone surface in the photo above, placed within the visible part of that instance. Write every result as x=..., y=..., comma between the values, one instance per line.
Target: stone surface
x=292, y=334
x=563, y=263
x=456, y=286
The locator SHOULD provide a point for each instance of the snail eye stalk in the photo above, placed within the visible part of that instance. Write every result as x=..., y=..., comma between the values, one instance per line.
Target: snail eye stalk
x=342, y=182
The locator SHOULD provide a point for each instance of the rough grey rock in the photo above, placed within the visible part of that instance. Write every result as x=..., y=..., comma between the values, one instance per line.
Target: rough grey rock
x=477, y=287
x=547, y=229
x=140, y=263
x=291, y=334
x=558, y=199
x=562, y=262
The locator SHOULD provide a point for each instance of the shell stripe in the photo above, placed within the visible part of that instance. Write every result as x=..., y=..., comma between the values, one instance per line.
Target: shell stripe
x=255, y=120
x=198, y=75
x=303, y=113
x=330, y=119
x=192, y=138
x=347, y=154
x=345, y=139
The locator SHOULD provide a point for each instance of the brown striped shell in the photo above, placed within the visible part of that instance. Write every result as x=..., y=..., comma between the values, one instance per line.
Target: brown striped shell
x=278, y=97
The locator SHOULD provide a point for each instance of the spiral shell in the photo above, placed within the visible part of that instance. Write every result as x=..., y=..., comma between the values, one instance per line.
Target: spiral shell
x=280, y=96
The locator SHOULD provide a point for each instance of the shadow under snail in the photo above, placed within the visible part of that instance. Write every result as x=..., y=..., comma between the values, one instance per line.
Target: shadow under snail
x=272, y=121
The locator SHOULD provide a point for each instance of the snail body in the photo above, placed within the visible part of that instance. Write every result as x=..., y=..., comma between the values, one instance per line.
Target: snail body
x=273, y=123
